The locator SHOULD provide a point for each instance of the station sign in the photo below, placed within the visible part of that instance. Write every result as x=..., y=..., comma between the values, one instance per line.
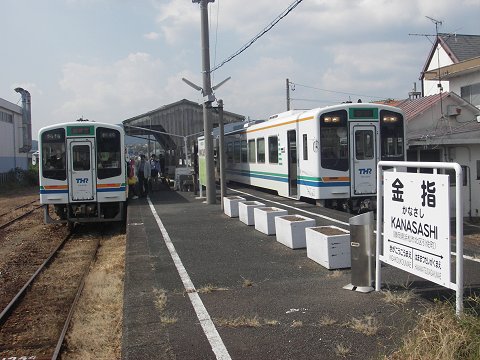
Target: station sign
x=416, y=224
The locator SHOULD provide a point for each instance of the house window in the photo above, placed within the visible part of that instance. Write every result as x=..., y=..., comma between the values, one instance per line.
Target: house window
x=471, y=93
x=5, y=117
x=452, y=177
x=478, y=169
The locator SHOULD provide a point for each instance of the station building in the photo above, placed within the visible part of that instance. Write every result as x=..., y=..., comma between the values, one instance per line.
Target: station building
x=15, y=135
x=175, y=128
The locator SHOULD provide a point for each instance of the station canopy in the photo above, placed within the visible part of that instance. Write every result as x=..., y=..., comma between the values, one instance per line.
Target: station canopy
x=171, y=123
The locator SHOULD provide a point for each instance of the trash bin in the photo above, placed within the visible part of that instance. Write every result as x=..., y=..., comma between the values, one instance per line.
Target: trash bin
x=362, y=250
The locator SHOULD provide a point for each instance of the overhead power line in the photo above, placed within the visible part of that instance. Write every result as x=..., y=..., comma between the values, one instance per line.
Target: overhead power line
x=259, y=35
x=338, y=92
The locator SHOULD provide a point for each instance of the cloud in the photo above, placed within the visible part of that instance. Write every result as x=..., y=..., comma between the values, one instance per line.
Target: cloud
x=151, y=35
x=109, y=91
x=177, y=19
x=258, y=91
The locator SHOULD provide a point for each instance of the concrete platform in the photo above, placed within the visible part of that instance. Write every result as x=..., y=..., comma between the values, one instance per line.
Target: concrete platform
x=285, y=295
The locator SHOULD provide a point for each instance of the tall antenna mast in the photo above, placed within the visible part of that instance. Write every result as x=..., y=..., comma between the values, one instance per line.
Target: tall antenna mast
x=439, y=85
x=437, y=23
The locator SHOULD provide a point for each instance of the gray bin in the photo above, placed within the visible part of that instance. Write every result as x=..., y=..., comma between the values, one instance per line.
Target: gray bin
x=362, y=246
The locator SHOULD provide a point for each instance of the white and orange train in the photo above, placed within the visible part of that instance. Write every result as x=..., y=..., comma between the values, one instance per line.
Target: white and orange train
x=326, y=154
x=82, y=171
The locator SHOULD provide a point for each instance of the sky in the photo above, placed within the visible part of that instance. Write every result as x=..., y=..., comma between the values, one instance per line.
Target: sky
x=110, y=60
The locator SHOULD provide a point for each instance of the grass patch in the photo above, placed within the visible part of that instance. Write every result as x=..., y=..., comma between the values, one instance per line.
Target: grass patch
x=334, y=274
x=241, y=321
x=397, y=298
x=271, y=322
x=342, y=350
x=368, y=325
x=247, y=282
x=296, y=324
x=327, y=321
x=160, y=299
x=168, y=319
x=209, y=288
x=440, y=334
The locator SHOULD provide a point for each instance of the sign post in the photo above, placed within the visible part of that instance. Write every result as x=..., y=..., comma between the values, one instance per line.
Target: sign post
x=416, y=223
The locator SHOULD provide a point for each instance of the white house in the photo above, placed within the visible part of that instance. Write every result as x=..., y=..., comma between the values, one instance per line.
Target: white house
x=453, y=64
x=12, y=151
x=444, y=127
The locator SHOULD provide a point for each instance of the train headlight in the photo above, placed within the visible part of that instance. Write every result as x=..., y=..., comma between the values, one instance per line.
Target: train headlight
x=390, y=119
x=331, y=119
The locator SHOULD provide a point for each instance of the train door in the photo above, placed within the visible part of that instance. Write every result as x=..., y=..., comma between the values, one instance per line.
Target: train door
x=364, y=154
x=81, y=165
x=292, y=162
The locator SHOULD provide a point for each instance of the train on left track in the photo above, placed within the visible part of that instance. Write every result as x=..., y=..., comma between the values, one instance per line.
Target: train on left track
x=82, y=172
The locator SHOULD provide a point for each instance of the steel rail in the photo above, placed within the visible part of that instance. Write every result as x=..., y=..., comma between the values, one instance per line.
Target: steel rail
x=61, y=338
x=19, y=295
x=8, y=223
x=18, y=207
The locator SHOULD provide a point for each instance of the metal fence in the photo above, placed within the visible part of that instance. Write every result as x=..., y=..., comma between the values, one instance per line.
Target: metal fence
x=7, y=177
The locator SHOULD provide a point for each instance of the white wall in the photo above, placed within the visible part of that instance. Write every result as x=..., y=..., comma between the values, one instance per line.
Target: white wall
x=430, y=87
x=467, y=155
x=11, y=139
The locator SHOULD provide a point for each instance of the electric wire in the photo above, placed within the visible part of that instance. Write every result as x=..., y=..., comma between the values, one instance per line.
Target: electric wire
x=259, y=35
x=337, y=92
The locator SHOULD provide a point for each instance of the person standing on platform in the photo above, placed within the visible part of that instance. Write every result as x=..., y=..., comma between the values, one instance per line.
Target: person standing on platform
x=143, y=174
x=155, y=166
x=132, y=180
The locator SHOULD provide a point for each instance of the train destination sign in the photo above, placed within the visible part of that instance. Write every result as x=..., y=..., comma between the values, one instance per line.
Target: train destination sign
x=416, y=224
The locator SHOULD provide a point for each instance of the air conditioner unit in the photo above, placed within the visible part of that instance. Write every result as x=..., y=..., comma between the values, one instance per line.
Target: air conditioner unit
x=453, y=110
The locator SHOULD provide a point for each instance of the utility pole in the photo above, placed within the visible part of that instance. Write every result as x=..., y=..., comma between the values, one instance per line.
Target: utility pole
x=288, y=95
x=208, y=98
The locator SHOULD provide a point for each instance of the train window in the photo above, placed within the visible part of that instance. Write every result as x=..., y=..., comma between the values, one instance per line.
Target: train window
x=273, y=149
x=53, y=154
x=109, y=153
x=244, y=152
x=252, y=155
x=334, y=140
x=230, y=152
x=81, y=157
x=391, y=135
x=305, y=147
x=261, y=150
x=236, y=151
x=364, y=144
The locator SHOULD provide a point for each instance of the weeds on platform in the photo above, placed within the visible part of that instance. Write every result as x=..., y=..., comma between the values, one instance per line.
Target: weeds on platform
x=440, y=334
x=327, y=321
x=397, y=298
x=342, y=350
x=209, y=288
x=368, y=325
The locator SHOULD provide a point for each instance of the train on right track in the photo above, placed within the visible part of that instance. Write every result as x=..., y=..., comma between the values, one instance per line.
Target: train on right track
x=328, y=154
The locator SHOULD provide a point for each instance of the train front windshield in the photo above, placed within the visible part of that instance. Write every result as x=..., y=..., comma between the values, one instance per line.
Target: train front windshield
x=334, y=140
x=53, y=155
x=392, y=136
x=109, y=153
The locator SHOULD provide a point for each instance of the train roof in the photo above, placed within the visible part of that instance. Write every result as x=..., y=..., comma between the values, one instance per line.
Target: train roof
x=297, y=114
x=80, y=123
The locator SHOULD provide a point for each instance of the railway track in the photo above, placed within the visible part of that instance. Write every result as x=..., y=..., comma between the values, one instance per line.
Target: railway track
x=10, y=217
x=34, y=323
